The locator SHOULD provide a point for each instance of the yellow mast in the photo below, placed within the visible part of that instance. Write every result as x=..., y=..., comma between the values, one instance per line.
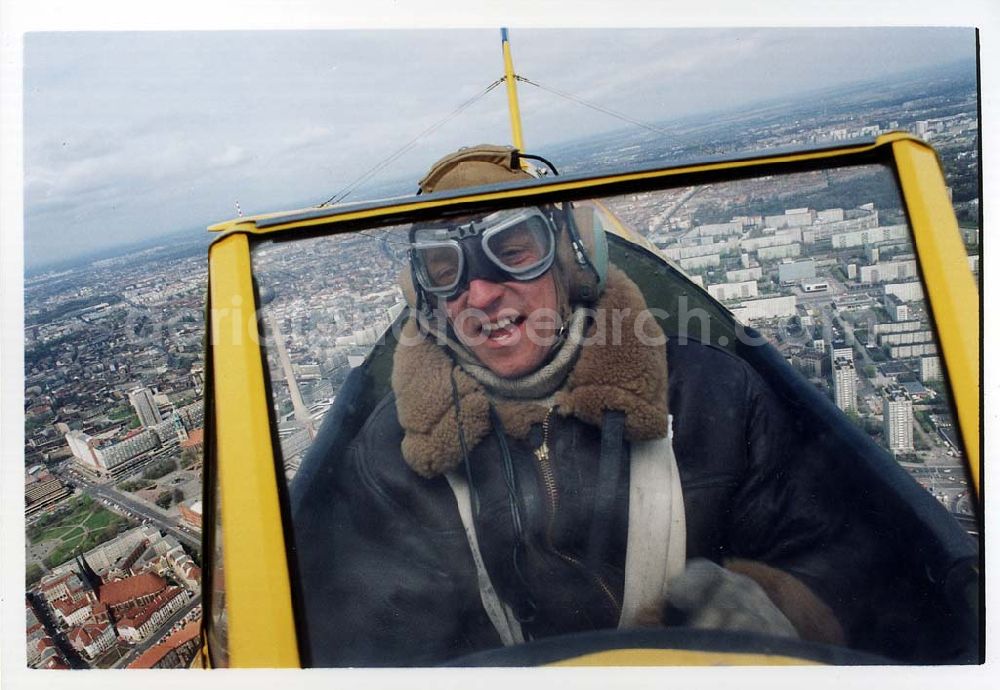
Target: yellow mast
x=515, y=111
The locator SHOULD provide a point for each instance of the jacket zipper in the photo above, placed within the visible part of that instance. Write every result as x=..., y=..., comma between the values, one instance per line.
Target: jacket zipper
x=548, y=478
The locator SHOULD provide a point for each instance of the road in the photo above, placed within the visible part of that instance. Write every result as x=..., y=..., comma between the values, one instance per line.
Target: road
x=123, y=502
x=150, y=641
x=938, y=478
x=849, y=336
x=948, y=485
x=44, y=616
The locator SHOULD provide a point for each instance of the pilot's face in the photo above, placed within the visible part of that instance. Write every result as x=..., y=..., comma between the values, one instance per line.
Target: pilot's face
x=510, y=326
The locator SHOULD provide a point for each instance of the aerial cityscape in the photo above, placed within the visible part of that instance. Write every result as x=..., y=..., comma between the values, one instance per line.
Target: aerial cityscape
x=821, y=264
x=113, y=432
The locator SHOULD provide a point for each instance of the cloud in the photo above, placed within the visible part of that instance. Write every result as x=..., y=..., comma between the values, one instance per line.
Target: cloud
x=117, y=124
x=307, y=136
x=233, y=155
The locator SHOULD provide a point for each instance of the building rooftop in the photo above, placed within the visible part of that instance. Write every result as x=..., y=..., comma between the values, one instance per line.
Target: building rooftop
x=895, y=392
x=124, y=591
x=69, y=606
x=56, y=663
x=195, y=438
x=135, y=617
x=85, y=635
x=914, y=388
x=49, y=584
x=894, y=368
x=154, y=654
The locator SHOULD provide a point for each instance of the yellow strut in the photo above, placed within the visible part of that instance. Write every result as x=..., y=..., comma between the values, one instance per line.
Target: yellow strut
x=515, y=111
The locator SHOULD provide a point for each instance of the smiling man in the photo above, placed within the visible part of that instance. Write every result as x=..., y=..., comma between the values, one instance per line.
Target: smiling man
x=535, y=471
x=493, y=273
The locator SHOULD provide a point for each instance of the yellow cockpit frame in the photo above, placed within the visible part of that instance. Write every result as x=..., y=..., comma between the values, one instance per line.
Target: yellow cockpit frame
x=240, y=455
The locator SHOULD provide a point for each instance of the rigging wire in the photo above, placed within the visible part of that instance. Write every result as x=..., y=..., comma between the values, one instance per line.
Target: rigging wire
x=606, y=111
x=346, y=191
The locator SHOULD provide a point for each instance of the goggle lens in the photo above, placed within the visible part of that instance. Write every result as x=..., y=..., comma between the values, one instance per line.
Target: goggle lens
x=521, y=247
x=441, y=265
x=517, y=245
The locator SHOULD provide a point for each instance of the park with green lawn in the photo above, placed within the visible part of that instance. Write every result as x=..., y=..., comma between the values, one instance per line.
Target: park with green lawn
x=80, y=525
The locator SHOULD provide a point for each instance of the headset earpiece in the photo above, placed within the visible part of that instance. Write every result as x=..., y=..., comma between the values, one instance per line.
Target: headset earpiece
x=583, y=254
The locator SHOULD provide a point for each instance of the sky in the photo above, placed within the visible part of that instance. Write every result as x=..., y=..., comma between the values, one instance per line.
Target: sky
x=131, y=135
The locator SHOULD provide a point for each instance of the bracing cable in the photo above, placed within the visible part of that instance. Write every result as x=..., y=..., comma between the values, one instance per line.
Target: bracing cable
x=343, y=193
x=346, y=191
x=592, y=106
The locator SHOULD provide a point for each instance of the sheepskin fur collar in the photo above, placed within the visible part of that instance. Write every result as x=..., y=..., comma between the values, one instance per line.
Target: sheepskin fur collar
x=630, y=376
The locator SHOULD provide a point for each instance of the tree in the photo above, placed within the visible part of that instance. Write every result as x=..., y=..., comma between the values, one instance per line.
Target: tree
x=32, y=574
x=120, y=413
x=109, y=532
x=188, y=457
x=177, y=495
x=159, y=469
x=135, y=484
x=872, y=426
x=937, y=387
x=923, y=418
x=163, y=500
x=855, y=417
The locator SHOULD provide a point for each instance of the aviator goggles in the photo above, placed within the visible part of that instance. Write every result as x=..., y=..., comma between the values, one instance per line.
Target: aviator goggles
x=516, y=244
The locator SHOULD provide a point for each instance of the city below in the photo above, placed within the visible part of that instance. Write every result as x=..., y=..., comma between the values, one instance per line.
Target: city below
x=821, y=264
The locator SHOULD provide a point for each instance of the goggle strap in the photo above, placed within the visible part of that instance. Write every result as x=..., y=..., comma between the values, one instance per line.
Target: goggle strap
x=574, y=237
x=422, y=303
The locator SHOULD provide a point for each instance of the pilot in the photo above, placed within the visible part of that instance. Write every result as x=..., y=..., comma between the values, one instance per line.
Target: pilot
x=548, y=462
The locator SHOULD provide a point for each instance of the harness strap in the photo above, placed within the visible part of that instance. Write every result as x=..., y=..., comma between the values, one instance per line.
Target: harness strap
x=609, y=467
x=657, y=536
x=657, y=532
x=500, y=614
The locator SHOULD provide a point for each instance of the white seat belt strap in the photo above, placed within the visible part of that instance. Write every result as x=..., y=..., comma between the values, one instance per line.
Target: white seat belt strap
x=657, y=533
x=499, y=613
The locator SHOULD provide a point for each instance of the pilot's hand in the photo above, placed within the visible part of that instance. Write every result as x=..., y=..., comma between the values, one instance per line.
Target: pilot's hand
x=708, y=596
